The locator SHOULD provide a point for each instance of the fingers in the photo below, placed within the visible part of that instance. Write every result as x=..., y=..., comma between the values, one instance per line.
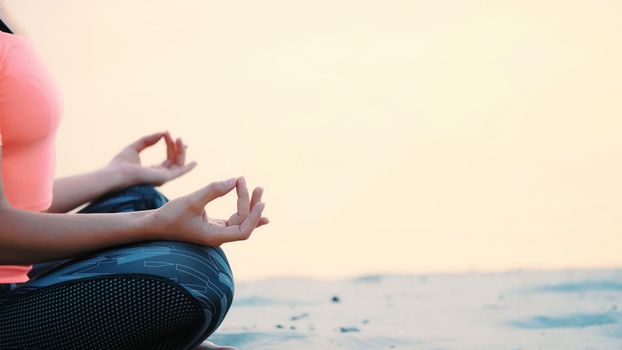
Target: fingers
x=263, y=221
x=213, y=191
x=181, y=152
x=243, y=203
x=175, y=151
x=243, y=206
x=256, y=198
x=220, y=222
x=146, y=141
x=222, y=234
x=222, y=231
x=171, y=152
x=251, y=221
x=244, y=230
x=180, y=170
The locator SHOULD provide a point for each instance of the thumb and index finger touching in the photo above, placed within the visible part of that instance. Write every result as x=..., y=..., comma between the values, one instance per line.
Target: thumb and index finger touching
x=221, y=188
x=212, y=191
x=147, y=141
x=174, y=149
x=250, y=211
x=175, y=152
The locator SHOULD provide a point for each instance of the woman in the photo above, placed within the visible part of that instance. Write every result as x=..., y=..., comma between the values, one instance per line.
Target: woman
x=137, y=271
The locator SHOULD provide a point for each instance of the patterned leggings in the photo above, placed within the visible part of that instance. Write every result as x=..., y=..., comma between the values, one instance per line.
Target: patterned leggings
x=145, y=295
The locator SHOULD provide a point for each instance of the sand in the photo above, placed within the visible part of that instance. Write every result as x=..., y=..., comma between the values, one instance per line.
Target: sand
x=570, y=309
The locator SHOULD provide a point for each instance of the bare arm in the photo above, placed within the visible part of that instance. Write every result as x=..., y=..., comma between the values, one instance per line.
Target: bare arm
x=27, y=237
x=75, y=190
x=124, y=170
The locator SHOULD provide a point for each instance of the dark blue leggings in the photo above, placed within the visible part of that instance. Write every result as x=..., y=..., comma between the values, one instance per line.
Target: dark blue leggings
x=163, y=282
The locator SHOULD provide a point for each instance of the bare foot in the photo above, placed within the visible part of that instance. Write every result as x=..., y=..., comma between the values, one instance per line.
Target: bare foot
x=208, y=345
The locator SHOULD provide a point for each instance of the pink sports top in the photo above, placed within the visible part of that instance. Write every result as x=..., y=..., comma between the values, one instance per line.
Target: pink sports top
x=30, y=113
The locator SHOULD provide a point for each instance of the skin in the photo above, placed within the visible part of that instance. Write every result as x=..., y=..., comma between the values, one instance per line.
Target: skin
x=28, y=237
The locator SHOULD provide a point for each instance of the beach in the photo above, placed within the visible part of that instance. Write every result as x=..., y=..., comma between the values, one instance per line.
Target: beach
x=564, y=309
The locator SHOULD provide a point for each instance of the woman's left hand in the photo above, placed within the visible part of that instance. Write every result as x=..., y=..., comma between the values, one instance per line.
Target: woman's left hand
x=128, y=161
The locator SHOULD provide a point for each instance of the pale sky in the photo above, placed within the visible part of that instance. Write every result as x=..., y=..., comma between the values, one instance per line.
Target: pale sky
x=389, y=136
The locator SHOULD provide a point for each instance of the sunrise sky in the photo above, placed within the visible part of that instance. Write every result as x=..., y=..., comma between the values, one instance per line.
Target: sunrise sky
x=390, y=136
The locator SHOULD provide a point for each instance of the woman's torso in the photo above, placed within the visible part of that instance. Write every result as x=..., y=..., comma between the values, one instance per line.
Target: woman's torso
x=30, y=113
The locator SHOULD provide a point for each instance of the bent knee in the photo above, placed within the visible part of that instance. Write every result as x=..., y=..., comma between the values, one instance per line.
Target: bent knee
x=204, y=271
x=204, y=266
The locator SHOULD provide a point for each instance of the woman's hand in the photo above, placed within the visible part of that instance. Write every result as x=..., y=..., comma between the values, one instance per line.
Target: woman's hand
x=128, y=161
x=184, y=218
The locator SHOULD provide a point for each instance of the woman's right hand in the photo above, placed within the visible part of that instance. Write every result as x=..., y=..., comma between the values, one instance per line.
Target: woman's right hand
x=184, y=218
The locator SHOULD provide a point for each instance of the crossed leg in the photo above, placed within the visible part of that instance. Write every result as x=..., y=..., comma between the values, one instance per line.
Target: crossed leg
x=146, y=295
